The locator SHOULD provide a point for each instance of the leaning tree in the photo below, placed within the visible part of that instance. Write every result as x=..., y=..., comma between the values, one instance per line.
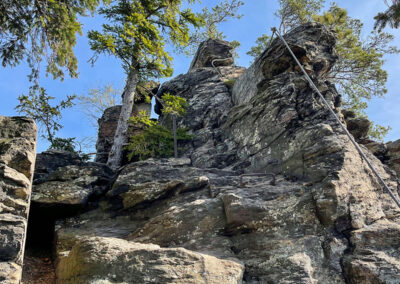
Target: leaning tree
x=137, y=33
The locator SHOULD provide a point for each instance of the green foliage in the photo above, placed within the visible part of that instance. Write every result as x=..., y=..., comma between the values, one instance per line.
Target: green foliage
x=144, y=91
x=33, y=30
x=138, y=31
x=294, y=12
x=154, y=141
x=220, y=13
x=230, y=83
x=37, y=106
x=262, y=43
x=391, y=16
x=142, y=120
x=173, y=105
x=64, y=144
x=70, y=145
x=378, y=132
x=358, y=72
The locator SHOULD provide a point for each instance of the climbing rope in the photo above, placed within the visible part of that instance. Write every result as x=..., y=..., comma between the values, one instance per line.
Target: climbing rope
x=395, y=199
x=219, y=59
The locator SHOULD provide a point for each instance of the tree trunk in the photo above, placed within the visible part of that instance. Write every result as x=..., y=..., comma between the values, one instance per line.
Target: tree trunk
x=120, y=138
x=175, y=139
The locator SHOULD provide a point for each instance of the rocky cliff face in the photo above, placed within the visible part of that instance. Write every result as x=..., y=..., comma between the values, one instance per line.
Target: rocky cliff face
x=270, y=190
x=207, y=91
x=17, y=160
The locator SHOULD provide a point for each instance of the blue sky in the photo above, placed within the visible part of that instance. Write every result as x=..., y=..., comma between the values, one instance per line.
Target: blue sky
x=257, y=19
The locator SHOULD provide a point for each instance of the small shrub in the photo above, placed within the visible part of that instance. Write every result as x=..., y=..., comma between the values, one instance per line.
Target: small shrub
x=230, y=83
x=65, y=144
x=68, y=144
x=154, y=141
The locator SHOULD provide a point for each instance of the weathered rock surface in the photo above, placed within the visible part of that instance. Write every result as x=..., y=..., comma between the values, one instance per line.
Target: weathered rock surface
x=245, y=86
x=17, y=160
x=209, y=101
x=148, y=181
x=284, y=128
x=387, y=153
x=109, y=260
x=376, y=255
x=72, y=185
x=212, y=53
x=316, y=55
x=107, y=126
x=322, y=218
x=50, y=160
x=245, y=219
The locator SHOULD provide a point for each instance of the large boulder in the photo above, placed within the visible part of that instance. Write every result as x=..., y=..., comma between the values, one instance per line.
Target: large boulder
x=212, y=53
x=110, y=260
x=17, y=161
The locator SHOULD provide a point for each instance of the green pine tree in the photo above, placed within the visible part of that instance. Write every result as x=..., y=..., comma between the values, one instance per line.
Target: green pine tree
x=137, y=33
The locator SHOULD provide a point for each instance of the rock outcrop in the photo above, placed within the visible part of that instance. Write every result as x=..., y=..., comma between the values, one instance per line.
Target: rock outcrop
x=207, y=92
x=17, y=160
x=284, y=128
x=208, y=211
x=212, y=53
x=387, y=153
x=317, y=59
x=270, y=190
x=358, y=126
